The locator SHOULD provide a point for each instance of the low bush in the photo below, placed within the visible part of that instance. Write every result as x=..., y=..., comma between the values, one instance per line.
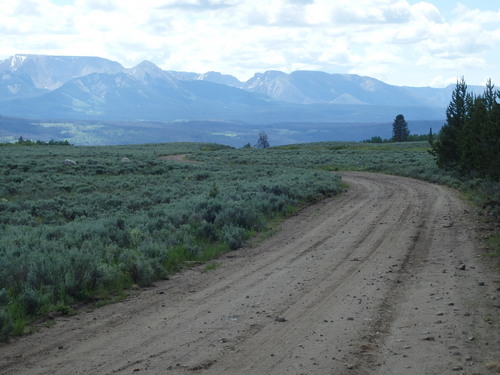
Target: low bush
x=233, y=236
x=75, y=233
x=6, y=326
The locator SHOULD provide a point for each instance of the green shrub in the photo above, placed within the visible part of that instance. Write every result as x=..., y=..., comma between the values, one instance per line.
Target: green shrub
x=238, y=215
x=6, y=326
x=233, y=236
x=141, y=271
x=31, y=301
x=70, y=234
x=207, y=231
x=4, y=298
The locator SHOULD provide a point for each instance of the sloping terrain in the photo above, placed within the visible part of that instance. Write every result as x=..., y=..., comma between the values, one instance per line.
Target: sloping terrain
x=86, y=100
x=92, y=88
x=385, y=279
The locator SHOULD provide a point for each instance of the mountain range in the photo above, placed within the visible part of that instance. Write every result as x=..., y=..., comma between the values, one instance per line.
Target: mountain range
x=97, y=89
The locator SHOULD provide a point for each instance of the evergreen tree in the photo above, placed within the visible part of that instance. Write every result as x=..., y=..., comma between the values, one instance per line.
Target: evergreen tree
x=400, y=130
x=447, y=148
x=472, y=159
x=469, y=142
x=491, y=131
x=431, y=138
x=262, y=142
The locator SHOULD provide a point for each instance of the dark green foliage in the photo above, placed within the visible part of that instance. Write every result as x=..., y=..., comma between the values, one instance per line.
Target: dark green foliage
x=447, y=149
x=376, y=139
x=4, y=298
x=31, y=301
x=410, y=138
x=233, y=236
x=262, y=141
x=469, y=142
x=28, y=142
x=400, y=131
x=214, y=191
x=6, y=326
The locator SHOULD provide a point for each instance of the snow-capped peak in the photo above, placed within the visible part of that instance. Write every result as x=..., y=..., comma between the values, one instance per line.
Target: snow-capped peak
x=16, y=61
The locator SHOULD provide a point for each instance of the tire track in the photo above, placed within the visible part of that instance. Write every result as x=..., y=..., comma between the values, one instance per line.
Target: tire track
x=367, y=240
x=343, y=276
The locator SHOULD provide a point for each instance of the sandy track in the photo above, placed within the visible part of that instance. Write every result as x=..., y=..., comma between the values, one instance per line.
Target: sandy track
x=367, y=283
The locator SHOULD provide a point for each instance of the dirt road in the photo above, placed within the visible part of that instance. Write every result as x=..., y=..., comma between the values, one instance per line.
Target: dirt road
x=367, y=283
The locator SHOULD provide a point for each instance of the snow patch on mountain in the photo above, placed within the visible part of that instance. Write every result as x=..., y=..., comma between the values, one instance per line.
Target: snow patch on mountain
x=16, y=61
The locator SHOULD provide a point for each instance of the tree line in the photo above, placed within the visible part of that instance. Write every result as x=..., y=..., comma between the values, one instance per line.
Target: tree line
x=401, y=133
x=469, y=141
x=28, y=142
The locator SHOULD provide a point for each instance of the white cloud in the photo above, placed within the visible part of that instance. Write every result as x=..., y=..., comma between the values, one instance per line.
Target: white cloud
x=395, y=40
x=476, y=16
x=199, y=5
x=104, y=5
x=369, y=12
x=440, y=81
x=445, y=63
x=426, y=12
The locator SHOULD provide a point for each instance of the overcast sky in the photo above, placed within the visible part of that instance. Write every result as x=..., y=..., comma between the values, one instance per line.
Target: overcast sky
x=401, y=42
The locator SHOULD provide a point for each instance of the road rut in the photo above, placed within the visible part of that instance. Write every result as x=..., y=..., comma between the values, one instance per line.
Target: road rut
x=368, y=282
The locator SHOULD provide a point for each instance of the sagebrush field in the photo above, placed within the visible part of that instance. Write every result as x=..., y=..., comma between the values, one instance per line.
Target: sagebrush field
x=130, y=215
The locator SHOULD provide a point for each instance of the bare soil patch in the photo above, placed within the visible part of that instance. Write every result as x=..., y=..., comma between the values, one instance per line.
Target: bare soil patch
x=183, y=158
x=387, y=278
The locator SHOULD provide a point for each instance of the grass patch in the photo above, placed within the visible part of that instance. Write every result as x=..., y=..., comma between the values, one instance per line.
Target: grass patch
x=211, y=266
x=493, y=244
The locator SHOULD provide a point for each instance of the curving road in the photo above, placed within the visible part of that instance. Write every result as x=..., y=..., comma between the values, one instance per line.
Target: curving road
x=366, y=283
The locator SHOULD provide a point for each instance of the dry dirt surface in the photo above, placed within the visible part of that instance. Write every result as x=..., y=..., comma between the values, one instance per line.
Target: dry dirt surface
x=387, y=278
x=183, y=158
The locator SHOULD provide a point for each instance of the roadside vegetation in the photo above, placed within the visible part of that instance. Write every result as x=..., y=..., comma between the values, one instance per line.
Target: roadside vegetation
x=83, y=224
x=126, y=215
